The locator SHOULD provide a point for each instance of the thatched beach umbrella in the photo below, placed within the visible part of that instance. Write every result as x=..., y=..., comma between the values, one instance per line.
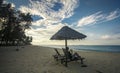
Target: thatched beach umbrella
x=66, y=33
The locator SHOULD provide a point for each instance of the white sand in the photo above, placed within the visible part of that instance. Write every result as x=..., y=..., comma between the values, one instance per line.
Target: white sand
x=34, y=59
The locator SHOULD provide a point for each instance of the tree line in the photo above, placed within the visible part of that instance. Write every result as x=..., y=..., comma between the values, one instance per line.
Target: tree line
x=13, y=24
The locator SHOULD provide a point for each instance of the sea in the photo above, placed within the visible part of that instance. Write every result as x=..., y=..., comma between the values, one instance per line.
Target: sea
x=99, y=48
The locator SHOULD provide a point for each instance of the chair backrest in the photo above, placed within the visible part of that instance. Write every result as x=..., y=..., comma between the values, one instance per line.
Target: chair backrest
x=67, y=53
x=57, y=52
x=64, y=51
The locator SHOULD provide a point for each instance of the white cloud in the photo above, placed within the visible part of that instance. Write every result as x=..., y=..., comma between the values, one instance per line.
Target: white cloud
x=113, y=15
x=106, y=37
x=44, y=22
x=110, y=37
x=98, y=18
x=91, y=19
x=41, y=22
x=12, y=4
x=51, y=21
x=44, y=33
x=44, y=9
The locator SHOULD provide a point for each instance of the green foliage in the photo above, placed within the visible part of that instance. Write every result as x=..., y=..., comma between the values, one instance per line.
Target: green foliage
x=13, y=24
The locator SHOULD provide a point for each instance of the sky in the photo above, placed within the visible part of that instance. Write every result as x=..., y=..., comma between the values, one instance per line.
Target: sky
x=98, y=19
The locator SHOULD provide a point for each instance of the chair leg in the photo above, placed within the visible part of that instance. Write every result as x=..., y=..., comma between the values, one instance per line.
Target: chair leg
x=66, y=62
x=62, y=60
x=81, y=61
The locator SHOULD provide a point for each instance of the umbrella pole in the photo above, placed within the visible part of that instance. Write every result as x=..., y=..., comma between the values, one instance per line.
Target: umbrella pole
x=66, y=52
x=65, y=43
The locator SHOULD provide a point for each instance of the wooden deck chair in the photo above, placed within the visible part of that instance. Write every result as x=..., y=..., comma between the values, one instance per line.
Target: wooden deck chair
x=58, y=56
x=72, y=57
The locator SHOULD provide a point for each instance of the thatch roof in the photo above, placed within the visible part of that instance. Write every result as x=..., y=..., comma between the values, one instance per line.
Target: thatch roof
x=67, y=33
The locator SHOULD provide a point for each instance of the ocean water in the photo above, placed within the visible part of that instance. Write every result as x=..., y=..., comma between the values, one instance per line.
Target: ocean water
x=101, y=48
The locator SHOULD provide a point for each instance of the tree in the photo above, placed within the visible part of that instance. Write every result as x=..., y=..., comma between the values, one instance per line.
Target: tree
x=13, y=24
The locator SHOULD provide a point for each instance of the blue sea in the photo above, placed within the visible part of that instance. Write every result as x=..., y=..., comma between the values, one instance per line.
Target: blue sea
x=100, y=48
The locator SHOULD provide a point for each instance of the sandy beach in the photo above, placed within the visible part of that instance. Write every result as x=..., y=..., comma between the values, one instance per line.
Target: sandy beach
x=36, y=59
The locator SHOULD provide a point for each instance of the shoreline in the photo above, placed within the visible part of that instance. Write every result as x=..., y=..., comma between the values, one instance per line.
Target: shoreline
x=79, y=50
x=83, y=50
x=86, y=49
